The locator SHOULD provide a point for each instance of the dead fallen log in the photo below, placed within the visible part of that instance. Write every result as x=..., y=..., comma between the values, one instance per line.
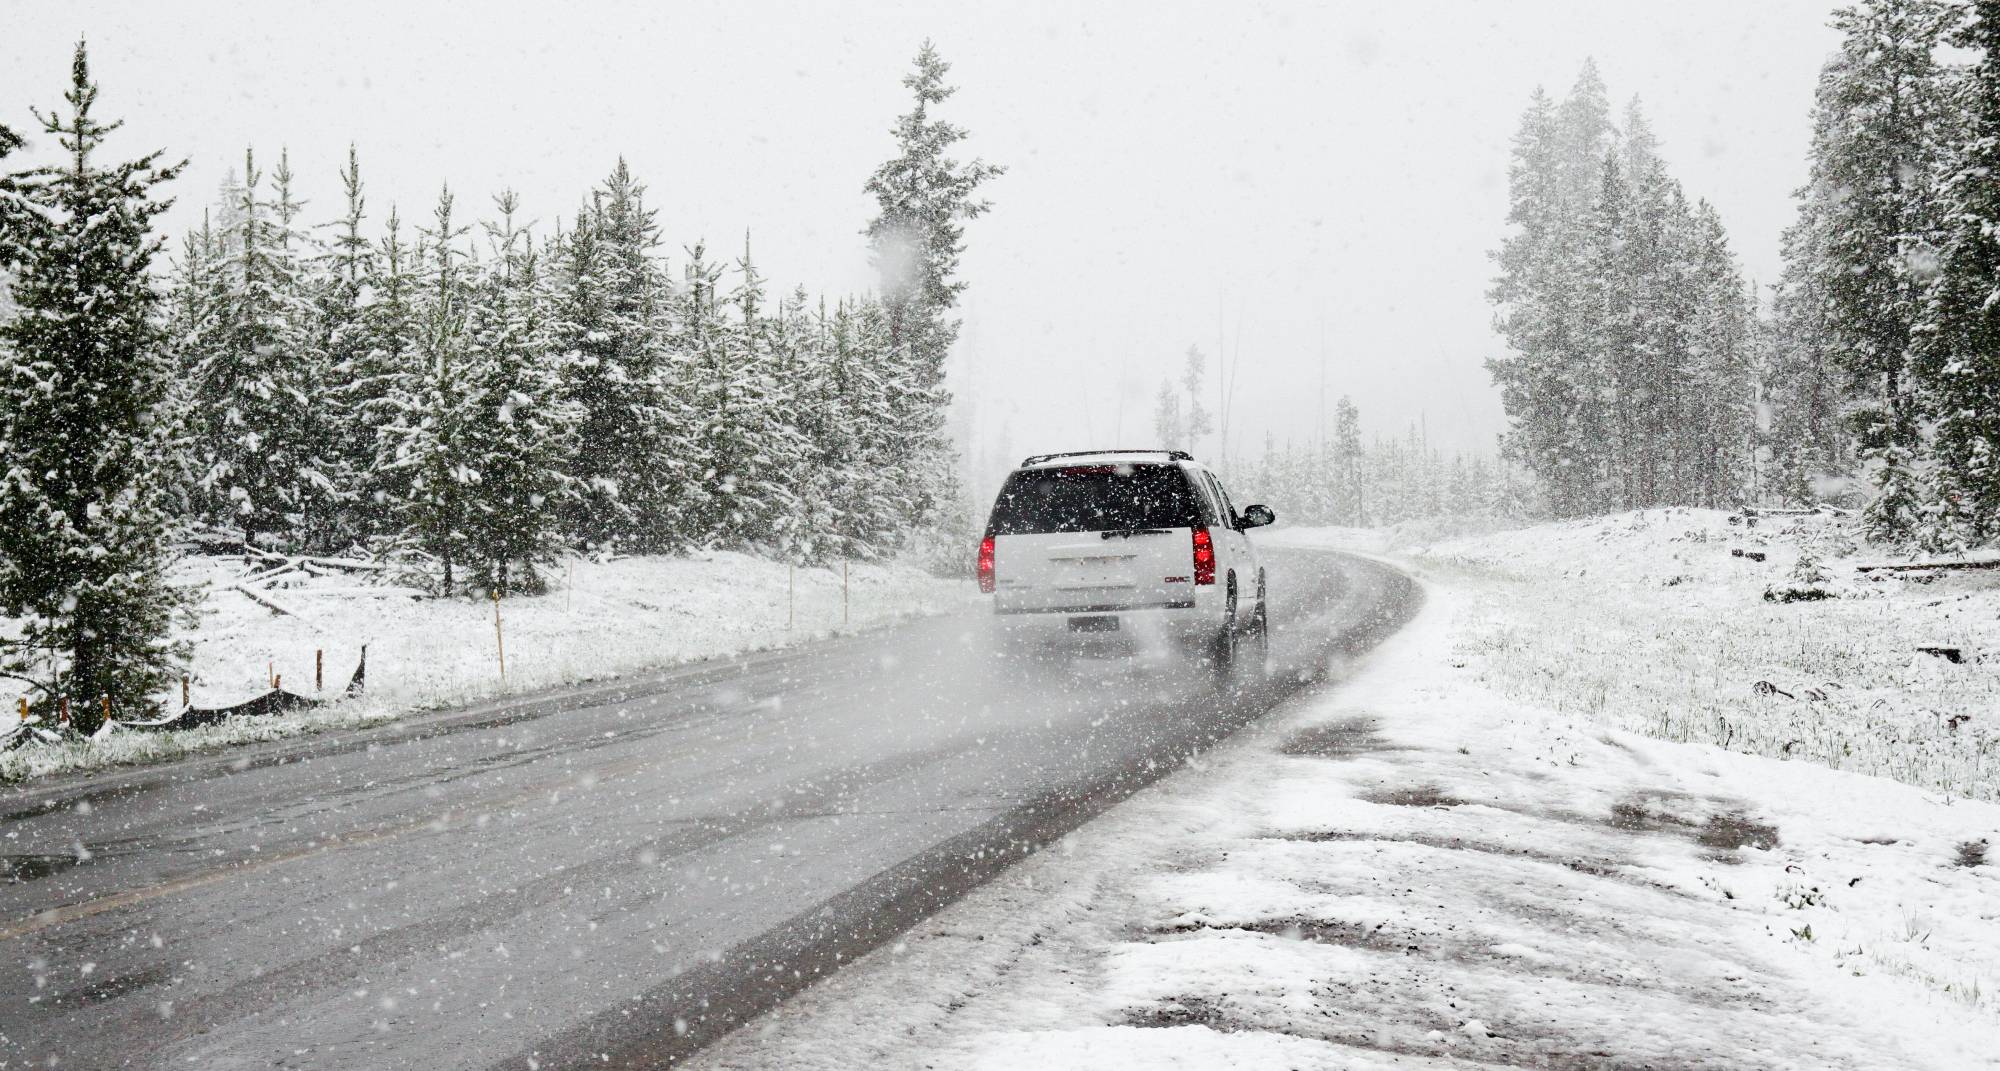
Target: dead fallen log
x=1954, y=655
x=1753, y=555
x=1919, y=567
x=352, y=565
x=265, y=574
x=266, y=601
x=379, y=591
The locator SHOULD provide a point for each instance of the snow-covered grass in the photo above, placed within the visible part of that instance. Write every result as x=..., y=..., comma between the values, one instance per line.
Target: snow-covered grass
x=1649, y=621
x=602, y=619
x=1411, y=870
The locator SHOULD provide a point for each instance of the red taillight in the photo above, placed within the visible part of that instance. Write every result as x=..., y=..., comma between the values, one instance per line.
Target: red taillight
x=986, y=565
x=1204, y=557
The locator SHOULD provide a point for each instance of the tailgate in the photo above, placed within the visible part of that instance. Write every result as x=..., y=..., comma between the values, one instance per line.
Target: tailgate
x=1081, y=571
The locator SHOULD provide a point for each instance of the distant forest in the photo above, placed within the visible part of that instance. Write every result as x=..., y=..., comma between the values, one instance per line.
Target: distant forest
x=1641, y=371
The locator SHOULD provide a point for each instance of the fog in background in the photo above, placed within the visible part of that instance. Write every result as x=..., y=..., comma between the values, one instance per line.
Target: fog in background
x=1314, y=187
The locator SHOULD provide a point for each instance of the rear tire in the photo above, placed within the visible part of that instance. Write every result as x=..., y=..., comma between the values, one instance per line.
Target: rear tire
x=1255, y=653
x=1223, y=648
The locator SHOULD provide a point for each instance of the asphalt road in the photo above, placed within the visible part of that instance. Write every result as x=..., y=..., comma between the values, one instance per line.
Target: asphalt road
x=603, y=877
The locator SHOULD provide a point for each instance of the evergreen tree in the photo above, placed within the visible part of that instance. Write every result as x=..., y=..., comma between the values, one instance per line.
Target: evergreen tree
x=1583, y=135
x=1881, y=119
x=264, y=433
x=342, y=290
x=1628, y=373
x=763, y=505
x=11, y=208
x=1169, y=420
x=84, y=534
x=813, y=416
x=1179, y=417
x=432, y=408
x=517, y=428
x=1804, y=390
x=1601, y=429
x=1959, y=355
x=384, y=369
x=1198, y=421
x=1538, y=292
x=1656, y=378
x=1349, y=505
x=923, y=198
x=721, y=403
x=632, y=465
x=1716, y=409
x=866, y=500
x=193, y=289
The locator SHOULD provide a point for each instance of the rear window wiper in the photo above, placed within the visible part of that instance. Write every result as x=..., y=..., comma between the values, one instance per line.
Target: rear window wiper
x=1127, y=533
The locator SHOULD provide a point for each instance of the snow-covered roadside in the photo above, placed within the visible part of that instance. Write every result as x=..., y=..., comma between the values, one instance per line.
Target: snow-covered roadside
x=1657, y=621
x=1413, y=871
x=602, y=620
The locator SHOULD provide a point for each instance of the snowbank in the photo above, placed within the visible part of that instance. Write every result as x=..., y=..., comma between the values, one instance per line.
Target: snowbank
x=601, y=620
x=1410, y=870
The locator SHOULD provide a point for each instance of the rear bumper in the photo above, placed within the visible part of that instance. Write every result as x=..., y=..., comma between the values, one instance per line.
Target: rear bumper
x=1092, y=625
x=1094, y=608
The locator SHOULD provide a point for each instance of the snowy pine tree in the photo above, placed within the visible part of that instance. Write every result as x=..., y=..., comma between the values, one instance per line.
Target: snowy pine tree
x=923, y=197
x=264, y=464
x=1628, y=376
x=1539, y=298
x=517, y=429
x=762, y=502
x=432, y=408
x=342, y=288
x=722, y=423
x=1716, y=408
x=632, y=463
x=192, y=288
x=1959, y=344
x=1349, y=506
x=1881, y=119
x=84, y=533
x=871, y=499
x=12, y=206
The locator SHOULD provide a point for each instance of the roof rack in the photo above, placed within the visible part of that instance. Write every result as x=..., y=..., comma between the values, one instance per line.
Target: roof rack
x=1036, y=459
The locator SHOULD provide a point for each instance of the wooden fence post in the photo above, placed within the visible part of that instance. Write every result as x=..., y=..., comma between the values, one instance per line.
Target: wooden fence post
x=319, y=669
x=499, y=637
x=24, y=708
x=62, y=715
x=185, y=701
x=107, y=708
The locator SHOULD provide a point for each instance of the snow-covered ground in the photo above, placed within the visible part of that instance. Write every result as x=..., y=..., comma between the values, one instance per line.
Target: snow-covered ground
x=602, y=619
x=1417, y=870
x=1652, y=622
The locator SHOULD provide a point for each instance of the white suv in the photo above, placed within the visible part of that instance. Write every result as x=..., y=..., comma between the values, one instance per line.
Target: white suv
x=1140, y=549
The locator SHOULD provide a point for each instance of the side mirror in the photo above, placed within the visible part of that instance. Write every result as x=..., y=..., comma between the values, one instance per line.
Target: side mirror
x=1256, y=517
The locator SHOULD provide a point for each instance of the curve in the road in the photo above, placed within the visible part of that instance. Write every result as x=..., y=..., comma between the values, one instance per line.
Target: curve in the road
x=610, y=876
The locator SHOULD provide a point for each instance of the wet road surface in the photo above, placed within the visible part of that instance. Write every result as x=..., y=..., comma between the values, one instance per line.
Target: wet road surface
x=608, y=876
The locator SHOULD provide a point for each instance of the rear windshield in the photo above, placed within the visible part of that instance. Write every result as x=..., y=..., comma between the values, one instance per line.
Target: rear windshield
x=1094, y=498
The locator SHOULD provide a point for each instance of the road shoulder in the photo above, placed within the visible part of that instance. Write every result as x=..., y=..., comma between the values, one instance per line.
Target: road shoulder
x=1408, y=870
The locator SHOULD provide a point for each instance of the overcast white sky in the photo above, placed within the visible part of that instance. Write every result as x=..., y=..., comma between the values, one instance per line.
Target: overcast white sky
x=1273, y=173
